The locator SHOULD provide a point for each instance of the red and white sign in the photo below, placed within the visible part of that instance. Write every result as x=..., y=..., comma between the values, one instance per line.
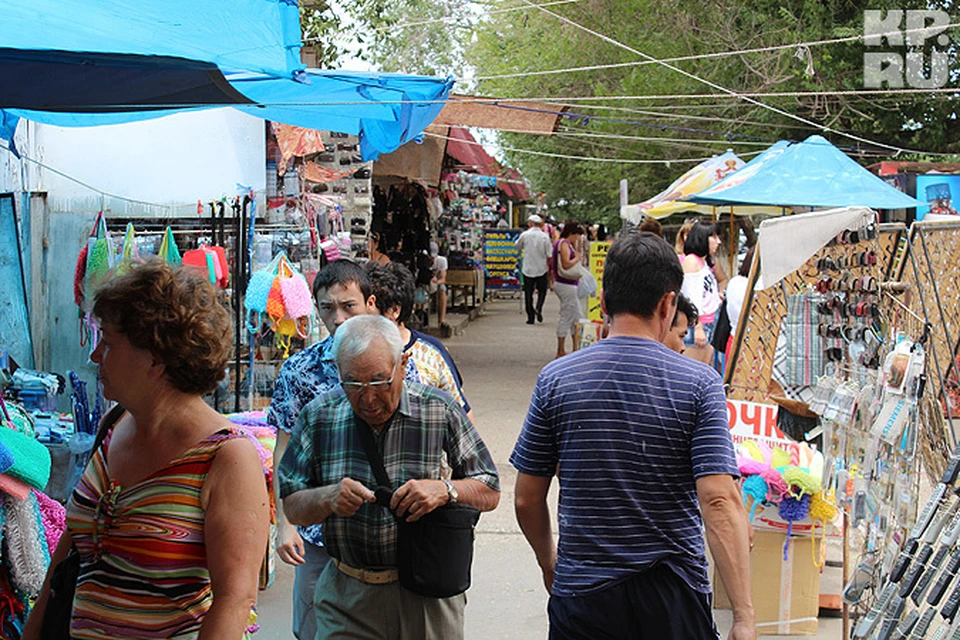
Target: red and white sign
x=754, y=421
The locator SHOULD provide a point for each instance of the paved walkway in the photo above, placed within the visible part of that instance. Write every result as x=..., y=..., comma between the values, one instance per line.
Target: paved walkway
x=499, y=356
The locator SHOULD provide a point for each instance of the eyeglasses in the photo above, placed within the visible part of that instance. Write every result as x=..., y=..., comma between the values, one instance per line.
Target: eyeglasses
x=358, y=387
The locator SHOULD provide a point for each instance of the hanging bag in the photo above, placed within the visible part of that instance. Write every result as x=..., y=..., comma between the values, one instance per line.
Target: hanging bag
x=168, y=248
x=63, y=580
x=434, y=553
x=575, y=272
x=129, y=252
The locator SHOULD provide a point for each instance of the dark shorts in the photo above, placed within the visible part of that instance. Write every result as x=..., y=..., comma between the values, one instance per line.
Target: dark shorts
x=654, y=605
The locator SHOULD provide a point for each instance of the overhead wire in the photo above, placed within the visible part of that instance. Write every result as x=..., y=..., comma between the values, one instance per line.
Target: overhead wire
x=445, y=19
x=666, y=162
x=703, y=56
x=718, y=87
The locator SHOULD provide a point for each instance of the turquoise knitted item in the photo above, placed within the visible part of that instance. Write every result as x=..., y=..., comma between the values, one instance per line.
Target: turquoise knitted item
x=31, y=460
x=755, y=487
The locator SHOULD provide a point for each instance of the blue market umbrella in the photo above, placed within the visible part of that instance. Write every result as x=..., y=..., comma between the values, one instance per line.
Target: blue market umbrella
x=812, y=173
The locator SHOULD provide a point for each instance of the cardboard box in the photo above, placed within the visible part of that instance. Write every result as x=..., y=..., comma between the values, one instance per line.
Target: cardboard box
x=786, y=594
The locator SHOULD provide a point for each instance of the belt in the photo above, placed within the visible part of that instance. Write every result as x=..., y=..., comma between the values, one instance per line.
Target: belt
x=366, y=575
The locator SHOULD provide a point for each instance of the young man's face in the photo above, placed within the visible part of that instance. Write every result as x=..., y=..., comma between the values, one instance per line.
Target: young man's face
x=339, y=303
x=674, y=339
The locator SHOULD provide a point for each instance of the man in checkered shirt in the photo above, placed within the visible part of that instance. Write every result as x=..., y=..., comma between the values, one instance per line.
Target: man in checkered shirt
x=433, y=456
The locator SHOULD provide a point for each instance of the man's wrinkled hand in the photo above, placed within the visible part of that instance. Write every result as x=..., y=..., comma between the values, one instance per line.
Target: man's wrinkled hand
x=289, y=544
x=417, y=498
x=349, y=497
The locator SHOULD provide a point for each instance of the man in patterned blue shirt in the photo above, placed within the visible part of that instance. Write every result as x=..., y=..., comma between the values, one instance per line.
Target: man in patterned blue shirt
x=341, y=290
x=638, y=437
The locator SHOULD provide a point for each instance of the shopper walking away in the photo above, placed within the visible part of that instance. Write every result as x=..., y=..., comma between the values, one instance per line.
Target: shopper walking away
x=564, y=257
x=638, y=437
x=431, y=454
x=171, y=516
x=701, y=287
x=341, y=290
x=537, y=251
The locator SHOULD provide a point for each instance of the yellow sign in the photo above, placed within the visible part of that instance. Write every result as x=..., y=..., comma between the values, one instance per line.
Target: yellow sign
x=598, y=258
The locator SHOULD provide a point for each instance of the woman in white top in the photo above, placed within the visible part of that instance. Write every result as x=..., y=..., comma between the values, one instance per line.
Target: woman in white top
x=735, y=294
x=701, y=287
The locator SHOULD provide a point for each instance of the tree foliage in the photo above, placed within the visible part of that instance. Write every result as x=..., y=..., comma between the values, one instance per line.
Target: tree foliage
x=685, y=128
x=499, y=46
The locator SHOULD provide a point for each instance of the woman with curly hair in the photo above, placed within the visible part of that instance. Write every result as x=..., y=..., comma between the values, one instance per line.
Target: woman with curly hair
x=170, y=518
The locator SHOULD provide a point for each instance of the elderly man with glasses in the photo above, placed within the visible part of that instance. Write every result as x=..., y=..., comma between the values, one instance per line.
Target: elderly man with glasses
x=431, y=452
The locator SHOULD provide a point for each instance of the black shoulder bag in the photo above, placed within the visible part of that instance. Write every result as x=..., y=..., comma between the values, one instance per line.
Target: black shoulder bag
x=63, y=580
x=435, y=553
x=721, y=332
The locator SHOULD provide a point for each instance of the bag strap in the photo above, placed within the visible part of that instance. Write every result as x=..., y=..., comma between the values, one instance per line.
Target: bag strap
x=109, y=420
x=373, y=452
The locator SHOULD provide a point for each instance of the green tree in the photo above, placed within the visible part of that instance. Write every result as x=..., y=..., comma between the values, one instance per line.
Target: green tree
x=683, y=128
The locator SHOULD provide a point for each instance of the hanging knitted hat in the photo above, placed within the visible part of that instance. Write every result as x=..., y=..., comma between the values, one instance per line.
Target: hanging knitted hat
x=793, y=510
x=275, y=309
x=801, y=481
x=31, y=459
x=822, y=510
x=297, y=299
x=756, y=488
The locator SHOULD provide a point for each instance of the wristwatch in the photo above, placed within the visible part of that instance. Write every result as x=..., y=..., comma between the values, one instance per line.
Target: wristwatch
x=451, y=491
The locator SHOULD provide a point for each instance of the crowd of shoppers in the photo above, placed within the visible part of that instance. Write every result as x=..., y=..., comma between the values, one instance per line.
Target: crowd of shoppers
x=627, y=559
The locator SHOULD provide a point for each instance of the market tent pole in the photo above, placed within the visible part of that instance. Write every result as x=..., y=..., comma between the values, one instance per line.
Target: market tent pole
x=733, y=246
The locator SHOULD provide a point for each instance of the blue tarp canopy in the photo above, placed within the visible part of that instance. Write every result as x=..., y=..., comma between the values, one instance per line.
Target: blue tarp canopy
x=77, y=63
x=386, y=110
x=239, y=35
x=812, y=173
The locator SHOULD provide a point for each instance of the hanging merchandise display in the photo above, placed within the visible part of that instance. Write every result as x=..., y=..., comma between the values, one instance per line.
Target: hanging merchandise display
x=283, y=294
x=94, y=261
x=168, y=248
x=31, y=522
x=472, y=204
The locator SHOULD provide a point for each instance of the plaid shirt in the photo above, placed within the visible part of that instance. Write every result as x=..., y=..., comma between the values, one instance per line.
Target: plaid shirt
x=303, y=377
x=427, y=428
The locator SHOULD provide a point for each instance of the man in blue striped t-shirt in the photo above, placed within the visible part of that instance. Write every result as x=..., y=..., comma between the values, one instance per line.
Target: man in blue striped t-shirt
x=638, y=436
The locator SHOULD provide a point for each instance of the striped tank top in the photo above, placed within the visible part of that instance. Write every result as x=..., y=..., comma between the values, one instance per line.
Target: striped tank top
x=143, y=568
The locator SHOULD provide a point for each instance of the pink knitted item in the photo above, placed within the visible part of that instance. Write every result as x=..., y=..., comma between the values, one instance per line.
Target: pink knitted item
x=53, y=516
x=14, y=487
x=296, y=296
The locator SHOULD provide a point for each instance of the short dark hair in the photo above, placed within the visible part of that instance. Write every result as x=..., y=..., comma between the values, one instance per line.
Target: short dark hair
x=342, y=272
x=393, y=286
x=640, y=269
x=571, y=228
x=698, y=241
x=747, y=262
x=688, y=309
x=652, y=225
